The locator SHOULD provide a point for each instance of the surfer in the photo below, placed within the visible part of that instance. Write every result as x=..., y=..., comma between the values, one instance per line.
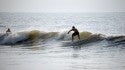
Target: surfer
x=8, y=31
x=76, y=32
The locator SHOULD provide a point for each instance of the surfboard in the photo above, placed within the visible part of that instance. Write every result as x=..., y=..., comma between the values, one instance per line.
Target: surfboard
x=73, y=41
x=66, y=41
x=78, y=42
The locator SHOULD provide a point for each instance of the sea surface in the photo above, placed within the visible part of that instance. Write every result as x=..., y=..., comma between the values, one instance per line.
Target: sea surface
x=39, y=41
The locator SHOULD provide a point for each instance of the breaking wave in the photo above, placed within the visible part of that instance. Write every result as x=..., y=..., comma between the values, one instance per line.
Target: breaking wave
x=26, y=36
x=36, y=36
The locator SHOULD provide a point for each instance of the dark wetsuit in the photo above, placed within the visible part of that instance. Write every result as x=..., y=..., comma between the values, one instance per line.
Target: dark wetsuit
x=8, y=31
x=75, y=32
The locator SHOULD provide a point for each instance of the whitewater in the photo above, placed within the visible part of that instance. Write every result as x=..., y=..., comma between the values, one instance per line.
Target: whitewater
x=39, y=41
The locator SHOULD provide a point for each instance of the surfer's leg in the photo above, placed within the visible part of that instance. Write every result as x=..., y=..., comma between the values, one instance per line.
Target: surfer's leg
x=79, y=36
x=72, y=36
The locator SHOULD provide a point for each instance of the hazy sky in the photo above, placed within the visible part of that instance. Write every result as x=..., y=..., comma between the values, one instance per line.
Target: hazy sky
x=62, y=5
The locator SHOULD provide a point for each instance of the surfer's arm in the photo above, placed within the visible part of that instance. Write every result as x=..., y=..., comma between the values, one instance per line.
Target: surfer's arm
x=69, y=31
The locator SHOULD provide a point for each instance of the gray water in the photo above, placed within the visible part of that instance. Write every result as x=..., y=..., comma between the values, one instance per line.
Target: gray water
x=52, y=54
x=104, y=23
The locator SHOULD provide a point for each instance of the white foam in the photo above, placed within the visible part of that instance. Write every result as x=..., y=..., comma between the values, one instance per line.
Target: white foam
x=13, y=38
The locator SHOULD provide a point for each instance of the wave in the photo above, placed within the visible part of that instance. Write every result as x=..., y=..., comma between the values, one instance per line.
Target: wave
x=25, y=37
x=116, y=40
x=13, y=38
x=89, y=39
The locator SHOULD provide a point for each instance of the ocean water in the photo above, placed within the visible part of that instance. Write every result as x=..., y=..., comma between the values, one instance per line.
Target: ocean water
x=39, y=41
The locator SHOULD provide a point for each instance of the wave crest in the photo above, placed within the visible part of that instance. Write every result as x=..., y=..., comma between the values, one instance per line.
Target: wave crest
x=36, y=35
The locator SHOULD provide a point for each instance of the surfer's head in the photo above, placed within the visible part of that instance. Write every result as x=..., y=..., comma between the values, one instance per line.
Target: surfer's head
x=73, y=27
x=8, y=30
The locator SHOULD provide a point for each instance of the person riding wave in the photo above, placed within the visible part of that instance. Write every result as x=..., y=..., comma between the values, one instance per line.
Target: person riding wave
x=8, y=31
x=76, y=32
